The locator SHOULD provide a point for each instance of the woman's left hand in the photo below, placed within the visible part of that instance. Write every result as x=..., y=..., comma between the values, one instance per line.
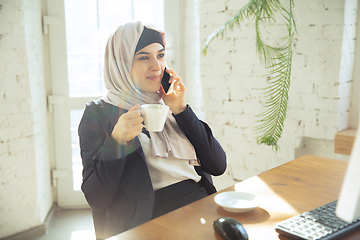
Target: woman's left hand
x=176, y=96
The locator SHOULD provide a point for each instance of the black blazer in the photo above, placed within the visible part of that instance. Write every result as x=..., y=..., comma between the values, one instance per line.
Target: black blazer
x=116, y=181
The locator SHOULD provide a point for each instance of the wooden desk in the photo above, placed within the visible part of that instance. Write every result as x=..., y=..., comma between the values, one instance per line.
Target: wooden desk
x=292, y=188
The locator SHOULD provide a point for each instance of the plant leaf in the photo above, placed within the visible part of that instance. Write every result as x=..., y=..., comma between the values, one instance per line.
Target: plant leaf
x=277, y=60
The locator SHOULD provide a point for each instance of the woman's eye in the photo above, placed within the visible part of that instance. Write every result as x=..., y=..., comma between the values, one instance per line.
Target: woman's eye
x=161, y=55
x=143, y=58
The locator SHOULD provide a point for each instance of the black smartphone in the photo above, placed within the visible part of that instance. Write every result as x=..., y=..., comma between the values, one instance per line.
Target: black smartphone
x=165, y=81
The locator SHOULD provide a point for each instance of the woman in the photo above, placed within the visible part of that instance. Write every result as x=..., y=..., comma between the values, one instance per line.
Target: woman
x=131, y=175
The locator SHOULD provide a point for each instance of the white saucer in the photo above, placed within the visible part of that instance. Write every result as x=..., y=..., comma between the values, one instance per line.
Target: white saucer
x=237, y=201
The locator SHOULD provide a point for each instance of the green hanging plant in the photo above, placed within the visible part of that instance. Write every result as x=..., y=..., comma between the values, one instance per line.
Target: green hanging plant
x=276, y=59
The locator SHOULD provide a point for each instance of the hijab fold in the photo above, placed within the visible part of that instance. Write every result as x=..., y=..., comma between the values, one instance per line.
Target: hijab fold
x=119, y=55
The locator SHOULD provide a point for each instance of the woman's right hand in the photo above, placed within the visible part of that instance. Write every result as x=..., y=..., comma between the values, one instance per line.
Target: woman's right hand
x=128, y=126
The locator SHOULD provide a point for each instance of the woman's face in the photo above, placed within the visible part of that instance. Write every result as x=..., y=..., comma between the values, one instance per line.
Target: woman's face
x=148, y=68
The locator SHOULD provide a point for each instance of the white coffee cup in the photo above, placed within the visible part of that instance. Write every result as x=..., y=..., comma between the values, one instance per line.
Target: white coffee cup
x=154, y=116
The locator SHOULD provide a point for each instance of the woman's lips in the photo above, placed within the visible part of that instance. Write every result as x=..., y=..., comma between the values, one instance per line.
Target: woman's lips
x=154, y=77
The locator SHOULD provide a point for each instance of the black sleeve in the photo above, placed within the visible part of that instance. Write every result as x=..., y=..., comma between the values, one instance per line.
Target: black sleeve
x=102, y=157
x=208, y=149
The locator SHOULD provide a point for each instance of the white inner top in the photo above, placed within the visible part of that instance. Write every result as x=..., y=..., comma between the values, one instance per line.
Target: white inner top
x=166, y=171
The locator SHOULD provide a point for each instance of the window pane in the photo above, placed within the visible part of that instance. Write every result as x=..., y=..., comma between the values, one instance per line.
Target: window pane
x=89, y=24
x=150, y=11
x=75, y=117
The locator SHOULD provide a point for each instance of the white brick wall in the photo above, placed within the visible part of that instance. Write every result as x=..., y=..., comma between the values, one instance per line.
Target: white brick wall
x=232, y=78
x=26, y=194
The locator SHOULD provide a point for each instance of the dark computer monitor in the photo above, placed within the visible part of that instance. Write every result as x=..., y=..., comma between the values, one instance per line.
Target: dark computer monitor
x=348, y=205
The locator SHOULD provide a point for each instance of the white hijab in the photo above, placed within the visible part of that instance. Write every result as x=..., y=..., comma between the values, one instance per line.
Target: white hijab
x=119, y=55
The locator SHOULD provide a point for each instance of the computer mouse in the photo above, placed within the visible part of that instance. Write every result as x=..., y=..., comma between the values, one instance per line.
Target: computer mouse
x=230, y=229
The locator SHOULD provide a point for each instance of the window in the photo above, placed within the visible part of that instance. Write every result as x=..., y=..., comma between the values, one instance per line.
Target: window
x=77, y=76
